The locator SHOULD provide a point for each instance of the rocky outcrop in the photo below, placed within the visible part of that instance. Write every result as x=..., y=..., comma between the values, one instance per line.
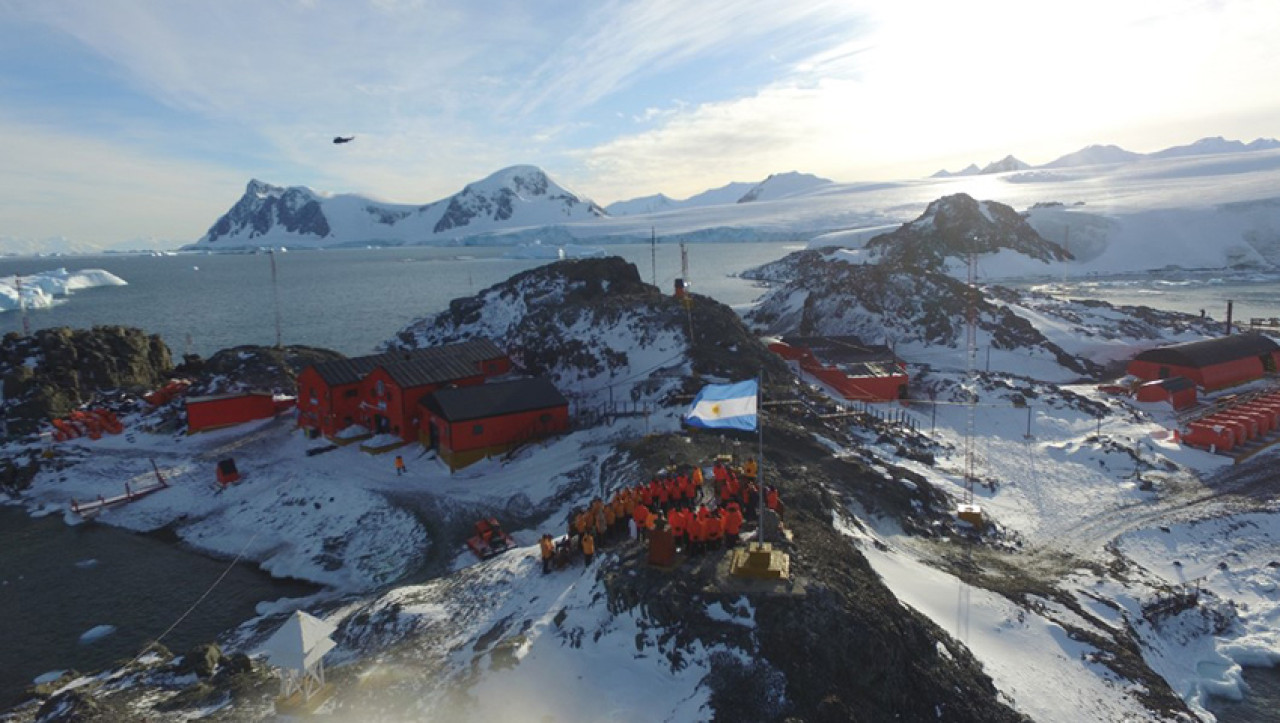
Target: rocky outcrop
x=957, y=225
x=254, y=368
x=589, y=324
x=826, y=296
x=54, y=371
x=836, y=645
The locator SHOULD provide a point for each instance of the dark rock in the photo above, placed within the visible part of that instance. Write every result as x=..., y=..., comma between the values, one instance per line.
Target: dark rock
x=203, y=660
x=257, y=368
x=54, y=371
x=77, y=706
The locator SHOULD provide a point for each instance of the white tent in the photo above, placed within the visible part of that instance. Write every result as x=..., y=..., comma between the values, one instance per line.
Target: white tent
x=298, y=649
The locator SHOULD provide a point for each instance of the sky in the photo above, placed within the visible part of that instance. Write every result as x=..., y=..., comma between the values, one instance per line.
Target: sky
x=137, y=123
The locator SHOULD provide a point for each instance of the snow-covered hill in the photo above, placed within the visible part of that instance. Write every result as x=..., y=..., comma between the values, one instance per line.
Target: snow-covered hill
x=782, y=185
x=908, y=288
x=1092, y=156
x=1004, y=165
x=969, y=170
x=515, y=197
x=728, y=193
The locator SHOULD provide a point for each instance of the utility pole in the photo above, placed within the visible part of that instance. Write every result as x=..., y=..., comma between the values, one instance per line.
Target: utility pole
x=653, y=253
x=275, y=295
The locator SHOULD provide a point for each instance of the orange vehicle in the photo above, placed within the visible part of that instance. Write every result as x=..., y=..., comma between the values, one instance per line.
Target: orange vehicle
x=490, y=539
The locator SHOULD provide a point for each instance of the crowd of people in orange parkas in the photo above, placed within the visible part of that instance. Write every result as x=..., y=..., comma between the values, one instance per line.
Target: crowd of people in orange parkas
x=703, y=514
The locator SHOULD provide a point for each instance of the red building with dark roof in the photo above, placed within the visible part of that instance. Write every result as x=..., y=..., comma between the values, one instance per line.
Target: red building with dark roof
x=857, y=371
x=380, y=391
x=466, y=424
x=1211, y=364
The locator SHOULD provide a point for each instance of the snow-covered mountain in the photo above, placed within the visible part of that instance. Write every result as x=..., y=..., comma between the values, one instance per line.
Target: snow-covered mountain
x=728, y=193
x=1008, y=163
x=1216, y=144
x=1092, y=156
x=969, y=170
x=1201, y=211
x=515, y=197
x=782, y=185
x=642, y=205
x=1105, y=154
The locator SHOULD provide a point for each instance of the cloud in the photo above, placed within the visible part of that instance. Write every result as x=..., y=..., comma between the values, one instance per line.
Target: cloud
x=994, y=78
x=620, y=42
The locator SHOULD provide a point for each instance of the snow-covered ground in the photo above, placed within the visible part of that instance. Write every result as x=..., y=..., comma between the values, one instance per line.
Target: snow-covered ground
x=44, y=289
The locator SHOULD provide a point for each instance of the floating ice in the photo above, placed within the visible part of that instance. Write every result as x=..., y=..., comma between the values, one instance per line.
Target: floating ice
x=97, y=632
x=39, y=290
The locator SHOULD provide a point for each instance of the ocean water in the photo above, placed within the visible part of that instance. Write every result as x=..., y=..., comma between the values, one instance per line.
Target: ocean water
x=88, y=595
x=348, y=300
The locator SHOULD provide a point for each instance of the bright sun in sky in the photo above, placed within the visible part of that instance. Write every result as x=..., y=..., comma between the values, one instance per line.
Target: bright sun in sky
x=136, y=121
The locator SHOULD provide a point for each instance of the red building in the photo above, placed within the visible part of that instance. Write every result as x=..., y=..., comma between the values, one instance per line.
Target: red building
x=1180, y=392
x=1213, y=363
x=863, y=372
x=380, y=391
x=466, y=424
x=225, y=410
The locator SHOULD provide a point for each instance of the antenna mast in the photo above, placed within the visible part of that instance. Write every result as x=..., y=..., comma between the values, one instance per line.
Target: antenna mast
x=275, y=297
x=653, y=252
x=971, y=350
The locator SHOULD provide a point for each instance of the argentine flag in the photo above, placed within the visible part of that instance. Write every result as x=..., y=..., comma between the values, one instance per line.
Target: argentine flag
x=731, y=406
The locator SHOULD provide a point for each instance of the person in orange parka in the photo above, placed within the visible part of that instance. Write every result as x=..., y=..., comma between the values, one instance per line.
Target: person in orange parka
x=732, y=523
x=772, y=501
x=548, y=549
x=715, y=530
x=609, y=522
x=677, y=522
x=641, y=515
x=697, y=532
x=588, y=548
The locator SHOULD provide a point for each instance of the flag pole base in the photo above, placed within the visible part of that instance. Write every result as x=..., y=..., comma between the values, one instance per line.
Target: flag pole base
x=758, y=560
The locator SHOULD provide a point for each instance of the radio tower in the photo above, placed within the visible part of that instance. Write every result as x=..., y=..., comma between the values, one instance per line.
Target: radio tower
x=971, y=352
x=275, y=297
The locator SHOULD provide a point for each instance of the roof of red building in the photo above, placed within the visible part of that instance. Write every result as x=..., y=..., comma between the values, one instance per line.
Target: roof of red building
x=432, y=364
x=833, y=350
x=1200, y=354
x=491, y=400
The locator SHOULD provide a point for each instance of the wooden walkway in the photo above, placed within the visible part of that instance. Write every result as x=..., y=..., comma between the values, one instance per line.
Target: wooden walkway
x=93, y=507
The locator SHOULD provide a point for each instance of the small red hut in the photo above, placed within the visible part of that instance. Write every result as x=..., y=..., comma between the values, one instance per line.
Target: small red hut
x=1180, y=392
x=225, y=410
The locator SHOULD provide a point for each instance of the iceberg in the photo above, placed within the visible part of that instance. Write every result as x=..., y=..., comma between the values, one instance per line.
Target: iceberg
x=40, y=290
x=537, y=250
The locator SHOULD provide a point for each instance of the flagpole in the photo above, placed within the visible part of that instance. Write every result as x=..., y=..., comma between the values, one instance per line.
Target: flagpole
x=760, y=459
